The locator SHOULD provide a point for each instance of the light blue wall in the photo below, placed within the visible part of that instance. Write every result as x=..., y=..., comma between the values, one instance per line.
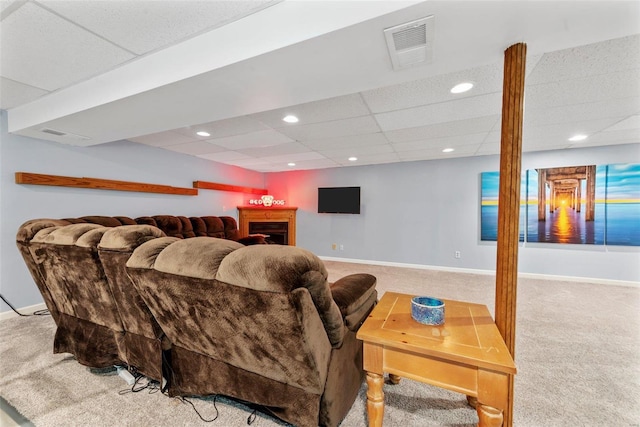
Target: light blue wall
x=422, y=212
x=119, y=160
x=412, y=213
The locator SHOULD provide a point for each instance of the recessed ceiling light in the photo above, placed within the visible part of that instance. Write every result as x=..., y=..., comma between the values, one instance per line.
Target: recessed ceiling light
x=462, y=87
x=579, y=137
x=290, y=119
x=448, y=150
x=291, y=164
x=203, y=133
x=353, y=159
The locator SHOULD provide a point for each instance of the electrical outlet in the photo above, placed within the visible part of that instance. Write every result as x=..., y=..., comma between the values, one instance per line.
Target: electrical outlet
x=342, y=247
x=333, y=246
x=457, y=254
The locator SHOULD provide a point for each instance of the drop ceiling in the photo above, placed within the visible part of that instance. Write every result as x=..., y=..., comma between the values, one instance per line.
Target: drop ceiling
x=157, y=72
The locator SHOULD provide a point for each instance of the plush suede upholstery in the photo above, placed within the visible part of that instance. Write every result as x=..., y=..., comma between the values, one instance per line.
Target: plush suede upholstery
x=101, y=320
x=258, y=323
x=141, y=344
x=210, y=315
x=89, y=324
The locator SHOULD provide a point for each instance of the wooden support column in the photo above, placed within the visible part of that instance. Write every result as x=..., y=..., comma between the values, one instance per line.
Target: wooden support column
x=509, y=202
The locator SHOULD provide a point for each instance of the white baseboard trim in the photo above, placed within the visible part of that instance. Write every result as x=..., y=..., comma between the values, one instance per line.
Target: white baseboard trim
x=24, y=310
x=592, y=280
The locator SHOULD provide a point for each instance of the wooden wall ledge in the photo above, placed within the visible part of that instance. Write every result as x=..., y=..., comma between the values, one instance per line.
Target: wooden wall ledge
x=226, y=187
x=100, y=184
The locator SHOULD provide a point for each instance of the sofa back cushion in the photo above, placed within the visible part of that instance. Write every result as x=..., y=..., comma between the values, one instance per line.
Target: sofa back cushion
x=276, y=268
x=68, y=260
x=276, y=334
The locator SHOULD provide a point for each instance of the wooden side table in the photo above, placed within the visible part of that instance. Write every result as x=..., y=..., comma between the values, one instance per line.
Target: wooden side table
x=466, y=354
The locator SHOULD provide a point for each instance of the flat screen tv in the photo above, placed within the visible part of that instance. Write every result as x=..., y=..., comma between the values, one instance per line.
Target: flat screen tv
x=342, y=200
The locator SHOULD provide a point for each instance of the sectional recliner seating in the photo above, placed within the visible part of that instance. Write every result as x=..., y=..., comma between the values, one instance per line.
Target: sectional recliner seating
x=210, y=315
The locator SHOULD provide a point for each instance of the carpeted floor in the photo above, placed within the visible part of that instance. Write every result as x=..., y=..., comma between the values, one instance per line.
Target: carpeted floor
x=577, y=352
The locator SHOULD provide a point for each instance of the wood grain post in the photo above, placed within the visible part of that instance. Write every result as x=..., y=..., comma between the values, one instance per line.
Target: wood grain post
x=509, y=202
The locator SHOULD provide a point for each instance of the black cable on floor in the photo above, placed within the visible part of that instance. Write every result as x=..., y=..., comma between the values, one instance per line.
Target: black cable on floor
x=44, y=312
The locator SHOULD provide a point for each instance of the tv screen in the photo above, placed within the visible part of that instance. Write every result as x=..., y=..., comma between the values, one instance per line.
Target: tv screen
x=344, y=200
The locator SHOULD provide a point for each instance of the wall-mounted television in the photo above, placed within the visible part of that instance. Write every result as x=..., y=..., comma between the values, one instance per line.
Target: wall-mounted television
x=343, y=200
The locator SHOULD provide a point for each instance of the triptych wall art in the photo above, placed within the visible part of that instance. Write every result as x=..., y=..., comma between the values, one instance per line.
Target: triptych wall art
x=587, y=204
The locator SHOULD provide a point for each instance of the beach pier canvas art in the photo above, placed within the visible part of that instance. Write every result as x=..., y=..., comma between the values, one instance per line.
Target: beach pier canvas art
x=584, y=204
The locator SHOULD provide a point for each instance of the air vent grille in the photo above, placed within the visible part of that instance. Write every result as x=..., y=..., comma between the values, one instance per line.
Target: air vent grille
x=54, y=132
x=65, y=137
x=410, y=43
x=410, y=37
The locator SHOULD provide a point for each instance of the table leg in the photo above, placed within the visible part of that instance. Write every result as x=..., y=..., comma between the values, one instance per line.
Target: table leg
x=375, y=399
x=472, y=401
x=489, y=416
x=395, y=379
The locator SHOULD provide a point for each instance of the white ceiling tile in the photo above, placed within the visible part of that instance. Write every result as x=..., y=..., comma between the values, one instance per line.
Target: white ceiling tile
x=196, y=147
x=248, y=163
x=264, y=138
x=593, y=59
x=569, y=129
x=584, y=90
x=438, y=144
x=487, y=148
x=224, y=156
x=581, y=112
x=347, y=141
x=445, y=129
x=629, y=123
x=436, y=89
x=286, y=148
x=461, y=109
x=162, y=139
x=311, y=164
x=436, y=153
x=294, y=157
x=13, y=93
x=344, y=153
x=332, y=129
x=220, y=129
x=608, y=137
x=65, y=53
x=370, y=159
x=142, y=26
x=341, y=107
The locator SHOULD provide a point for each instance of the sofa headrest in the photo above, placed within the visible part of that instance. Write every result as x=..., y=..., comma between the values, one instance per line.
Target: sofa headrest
x=82, y=234
x=129, y=237
x=29, y=229
x=211, y=226
x=275, y=268
x=197, y=257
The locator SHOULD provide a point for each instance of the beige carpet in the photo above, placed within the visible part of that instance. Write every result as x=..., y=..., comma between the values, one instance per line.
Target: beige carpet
x=577, y=352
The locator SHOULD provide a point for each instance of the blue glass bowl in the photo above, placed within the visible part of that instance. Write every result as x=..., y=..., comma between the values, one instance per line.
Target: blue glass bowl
x=427, y=310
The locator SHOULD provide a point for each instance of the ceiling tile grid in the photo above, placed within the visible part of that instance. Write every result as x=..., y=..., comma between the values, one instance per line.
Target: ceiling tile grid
x=65, y=53
x=332, y=129
x=592, y=89
x=459, y=109
x=142, y=26
x=337, y=108
x=263, y=138
x=195, y=148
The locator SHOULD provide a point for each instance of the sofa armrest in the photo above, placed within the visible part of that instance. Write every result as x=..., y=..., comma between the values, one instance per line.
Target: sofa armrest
x=355, y=295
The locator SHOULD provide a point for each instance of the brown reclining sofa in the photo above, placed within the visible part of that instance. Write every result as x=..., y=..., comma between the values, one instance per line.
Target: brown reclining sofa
x=181, y=299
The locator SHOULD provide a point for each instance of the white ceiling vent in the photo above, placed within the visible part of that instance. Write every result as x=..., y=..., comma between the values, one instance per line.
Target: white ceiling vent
x=410, y=43
x=63, y=134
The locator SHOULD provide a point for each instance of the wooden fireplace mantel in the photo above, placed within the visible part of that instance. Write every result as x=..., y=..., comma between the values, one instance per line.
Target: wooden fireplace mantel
x=247, y=214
